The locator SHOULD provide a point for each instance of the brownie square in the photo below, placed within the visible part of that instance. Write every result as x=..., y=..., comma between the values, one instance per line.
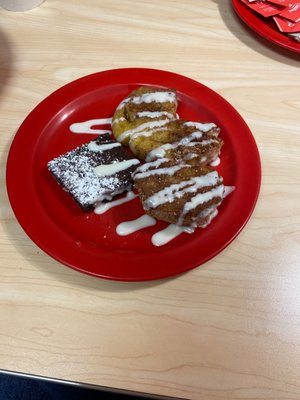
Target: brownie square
x=95, y=171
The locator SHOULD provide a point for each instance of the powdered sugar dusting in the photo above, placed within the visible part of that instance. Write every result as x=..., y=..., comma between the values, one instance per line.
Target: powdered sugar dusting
x=75, y=171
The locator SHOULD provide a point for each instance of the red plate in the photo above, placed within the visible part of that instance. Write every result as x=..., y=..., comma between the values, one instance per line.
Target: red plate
x=265, y=27
x=88, y=242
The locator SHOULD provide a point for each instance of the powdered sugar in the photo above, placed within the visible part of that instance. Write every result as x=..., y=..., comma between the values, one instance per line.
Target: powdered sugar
x=75, y=171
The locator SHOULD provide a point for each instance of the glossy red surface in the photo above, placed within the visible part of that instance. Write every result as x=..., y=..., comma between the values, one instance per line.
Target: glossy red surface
x=88, y=242
x=265, y=27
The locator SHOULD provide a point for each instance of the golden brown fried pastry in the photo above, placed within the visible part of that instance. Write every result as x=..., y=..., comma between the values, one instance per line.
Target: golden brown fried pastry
x=179, y=193
x=192, y=142
x=143, y=110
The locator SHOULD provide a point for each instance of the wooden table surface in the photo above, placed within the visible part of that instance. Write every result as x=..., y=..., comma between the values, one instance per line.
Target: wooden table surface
x=229, y=329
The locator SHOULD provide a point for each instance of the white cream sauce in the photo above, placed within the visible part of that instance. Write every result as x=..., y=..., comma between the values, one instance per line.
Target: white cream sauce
x=93, y=146
x=211, y=217
x=154, y=97
x=128, y=227
x=160, y=171
x=228, y=190
x=206, y=127
x=200, y=198
x=142, y=129
x=103, y=207
x=166, y=235
x=153, y=164
x=147, y=133
x=154, y=114
x=215, y=162
x=175, y=191
x=87, y=126
x=152, y=168
x=110, y=169
x=188, y=141
x=190, y=156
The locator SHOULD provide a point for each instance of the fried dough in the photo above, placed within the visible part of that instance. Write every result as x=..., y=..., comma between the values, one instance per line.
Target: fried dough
x=192, y=142
x=143, y=109
x=179, y=193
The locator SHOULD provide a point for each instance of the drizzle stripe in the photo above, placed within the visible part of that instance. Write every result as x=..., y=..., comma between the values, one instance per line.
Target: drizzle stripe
x=174, y=191
x=110, y=169
x=128, y=227
x=141, y=128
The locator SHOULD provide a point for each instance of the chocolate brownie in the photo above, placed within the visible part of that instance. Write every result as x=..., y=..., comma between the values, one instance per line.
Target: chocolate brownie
x=95, y=171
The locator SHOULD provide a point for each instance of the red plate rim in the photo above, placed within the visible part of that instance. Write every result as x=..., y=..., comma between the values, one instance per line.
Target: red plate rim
x=259, y=26
x=172, y=259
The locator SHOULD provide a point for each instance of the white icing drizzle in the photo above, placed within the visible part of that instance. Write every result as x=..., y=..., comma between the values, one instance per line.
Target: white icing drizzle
x=215, y=162
x=166, y=235
x=160, y=151
x=103, y=207
x=110, y=169
x=145, y=170
x=153, y=164
x=228, y=190
x=190, y=138
x=202, y=127
x=201, y=198
x=128, y=227
x=93, y=146
x=190, y=156
x=141, y=129
x=87, y=126
x=154, y=97
x=177, y=190
x=147, y=133
x=207, y=211
x=154, y=114
x=204, y=198
x=212, y=215
x=159, y=171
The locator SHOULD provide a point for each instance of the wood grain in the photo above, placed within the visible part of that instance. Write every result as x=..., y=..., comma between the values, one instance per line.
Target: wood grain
x=227, y=330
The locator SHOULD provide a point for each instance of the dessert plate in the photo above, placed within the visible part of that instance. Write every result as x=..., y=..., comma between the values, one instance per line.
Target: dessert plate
x=265, y=27
x=88, y=242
